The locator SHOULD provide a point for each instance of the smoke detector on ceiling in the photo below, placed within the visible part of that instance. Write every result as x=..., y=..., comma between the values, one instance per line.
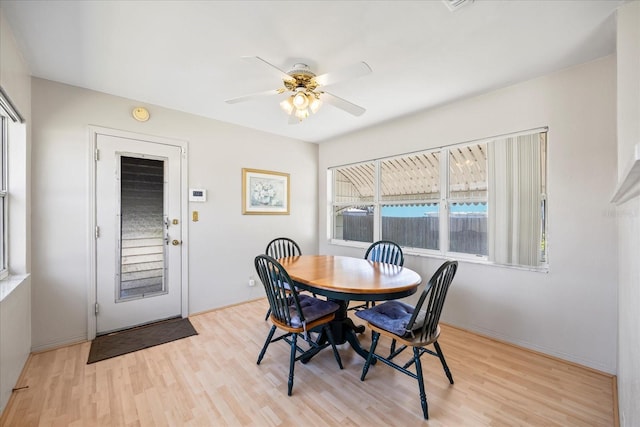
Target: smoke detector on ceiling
x=454, y=5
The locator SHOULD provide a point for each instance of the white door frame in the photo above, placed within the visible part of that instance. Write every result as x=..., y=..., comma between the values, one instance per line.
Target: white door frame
x=94, y=131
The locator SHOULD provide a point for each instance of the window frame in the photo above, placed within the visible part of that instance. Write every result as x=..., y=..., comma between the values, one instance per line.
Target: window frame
x=9, y=115
x=4, y=195
x=444, y=205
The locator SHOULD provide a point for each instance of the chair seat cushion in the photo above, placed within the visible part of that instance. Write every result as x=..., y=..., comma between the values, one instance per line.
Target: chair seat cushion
x=312, y=309
x=392, y=316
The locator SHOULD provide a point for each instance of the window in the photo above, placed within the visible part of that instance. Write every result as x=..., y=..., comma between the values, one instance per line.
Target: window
x=8, y=116
x=467, y=199
x=410, y=200
x=353, y=208
x=484, y=200
x=4, y=132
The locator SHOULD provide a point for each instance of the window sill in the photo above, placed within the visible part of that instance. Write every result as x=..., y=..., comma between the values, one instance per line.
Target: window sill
x=10, y=283
x=350, y=243
x=471, y=259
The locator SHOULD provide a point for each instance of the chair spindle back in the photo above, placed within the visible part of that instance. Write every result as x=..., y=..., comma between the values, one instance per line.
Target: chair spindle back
x=273, y=276
x=282, y=247
x=436, y=290
x=385, y=251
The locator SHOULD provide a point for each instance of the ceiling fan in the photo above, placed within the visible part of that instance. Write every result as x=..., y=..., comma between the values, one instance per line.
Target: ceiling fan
x=307, y=89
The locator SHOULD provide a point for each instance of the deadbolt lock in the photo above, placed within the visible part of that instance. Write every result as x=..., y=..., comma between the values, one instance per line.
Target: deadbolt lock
x=174, y=222
x=175, y=242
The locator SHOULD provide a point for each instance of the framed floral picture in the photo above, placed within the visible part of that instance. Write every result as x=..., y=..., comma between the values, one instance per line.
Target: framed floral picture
x=265, y=192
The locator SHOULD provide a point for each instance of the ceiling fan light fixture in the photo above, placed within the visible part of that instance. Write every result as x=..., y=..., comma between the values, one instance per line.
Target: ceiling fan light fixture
x=287, y=105
x=302, y=114
x=315, y=104
x=300, y=100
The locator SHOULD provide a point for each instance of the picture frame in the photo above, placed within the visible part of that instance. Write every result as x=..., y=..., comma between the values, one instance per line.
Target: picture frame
x=265, y=192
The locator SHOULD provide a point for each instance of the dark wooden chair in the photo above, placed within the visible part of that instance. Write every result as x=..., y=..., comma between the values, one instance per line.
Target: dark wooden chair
x=281, y=247
x=296, y=315
x=415, y=327
x=382, y=251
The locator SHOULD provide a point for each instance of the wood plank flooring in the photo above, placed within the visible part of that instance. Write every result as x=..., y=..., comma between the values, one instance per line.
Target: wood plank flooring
x=212, y=380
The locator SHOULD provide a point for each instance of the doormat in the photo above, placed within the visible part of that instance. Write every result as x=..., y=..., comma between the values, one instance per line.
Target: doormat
x=130, y=340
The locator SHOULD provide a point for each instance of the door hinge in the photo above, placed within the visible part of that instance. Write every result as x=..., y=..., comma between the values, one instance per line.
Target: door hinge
x=97, y=309
x=97, y=231
x=97, y=155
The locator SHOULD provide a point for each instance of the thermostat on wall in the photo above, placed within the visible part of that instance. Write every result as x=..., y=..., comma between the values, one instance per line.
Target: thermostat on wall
x=197, y=195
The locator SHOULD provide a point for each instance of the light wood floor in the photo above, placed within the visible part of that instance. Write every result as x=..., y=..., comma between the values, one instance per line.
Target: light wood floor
x=212, y=380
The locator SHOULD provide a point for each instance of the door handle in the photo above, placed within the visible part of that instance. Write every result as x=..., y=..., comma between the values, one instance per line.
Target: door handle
x=175, y=242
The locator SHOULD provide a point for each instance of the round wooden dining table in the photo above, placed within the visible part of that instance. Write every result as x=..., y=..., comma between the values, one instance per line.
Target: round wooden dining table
x=342, y=279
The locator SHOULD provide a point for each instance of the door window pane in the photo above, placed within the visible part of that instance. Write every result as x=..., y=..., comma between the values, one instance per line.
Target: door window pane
x=142, y=227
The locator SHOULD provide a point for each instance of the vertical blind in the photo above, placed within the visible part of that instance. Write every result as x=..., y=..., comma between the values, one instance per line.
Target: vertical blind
x=516, y=192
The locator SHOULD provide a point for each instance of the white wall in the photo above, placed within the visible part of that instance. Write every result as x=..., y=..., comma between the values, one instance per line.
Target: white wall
x=570, y=312
x=15, y=292
x=222, y=245
x=628, y=57
x=15, y=335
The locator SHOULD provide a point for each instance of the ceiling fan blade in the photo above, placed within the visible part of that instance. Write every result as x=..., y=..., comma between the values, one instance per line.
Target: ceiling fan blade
x=342, y=104
x=281, y=73
x=356, y=70
x=254, y=96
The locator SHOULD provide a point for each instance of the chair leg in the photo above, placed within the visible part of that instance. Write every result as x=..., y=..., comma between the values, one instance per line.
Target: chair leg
x=333, y=346
x=268, y=314
x=266, y=343
x=444, y=362
x=423, y=395
x=292, y=362
x=374, y=342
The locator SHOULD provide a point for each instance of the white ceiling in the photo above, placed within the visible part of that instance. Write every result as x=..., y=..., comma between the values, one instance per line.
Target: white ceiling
x=186, y=55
